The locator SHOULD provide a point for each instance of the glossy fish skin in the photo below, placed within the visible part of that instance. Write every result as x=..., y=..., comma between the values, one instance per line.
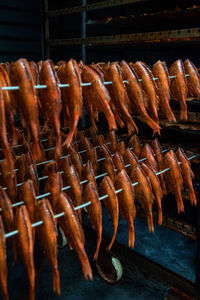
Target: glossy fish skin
x=136, y=96
x=10, y=107
x=174, y=178
x=92, y=157
x=94, y=211
x=97, y=95
x=134, y=143
x=104, y=151
x=143, y=193
x=7, y=210
x=25, y=246
x=26, y=193
x=4, y=168
x=76, y=159
x=70, y=177
x=47, y=235
x=3, y=135
x=33, y=175
x=126, y=200
x=27, y=102
x=10, y=181
x=130, y=158
x=159, y=158
x=72, y=95
x=50, y=168
x=3, y=263
x=53, y=185
x=148, y=85
x=119, y=96
x=88, y=173
x=118, y=162
x=160, y=71
x=21, y=165
x=187, y=174
x=51, y=99
x=193, y=81
x=73, y=232
x=156, y=188
x=109, y=167
x=111, y=203
x=112, y=138
x=121, y=148
x=178, y=86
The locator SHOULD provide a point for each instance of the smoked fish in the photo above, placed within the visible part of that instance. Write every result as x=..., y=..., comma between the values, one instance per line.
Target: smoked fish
x=193, y=81
x=3, y=263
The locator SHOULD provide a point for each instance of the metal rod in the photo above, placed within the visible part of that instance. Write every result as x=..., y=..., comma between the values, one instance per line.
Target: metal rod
x=12, y=233
x=15, y=88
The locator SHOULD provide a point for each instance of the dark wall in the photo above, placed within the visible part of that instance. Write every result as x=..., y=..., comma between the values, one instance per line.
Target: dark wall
x=20, y=30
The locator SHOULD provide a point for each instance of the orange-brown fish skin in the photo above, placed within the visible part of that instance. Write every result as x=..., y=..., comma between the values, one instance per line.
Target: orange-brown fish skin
x=27, y=194
x=118, y=162
x=134, y=143
x=159, y=158
x=178, y=86
x=160, y=71
x=51, y=100
x=53, y=185
x=94, y=211
x=112, y=138
x=121, y=148
x=27, y=102
x=72, y=95
x=111, y=203
x=187, y=174
x=10, y=182
x=25, y=246
x=126, y=200
x=97, y=94
x=73, y=232
x=109, y=168
x=33, y=175
x=21, y=165
x=148, y=84
x=174, y=178
x=119, y=97
x=143, y=193
x=193, y=81
x=136, y=95
x=156, y=188
x=76, y=159
x=3, y=136
x=130, y=158
x=50, y=168
x=71, y=178
x=88, y=173
x=47, y=235
x=3, y=264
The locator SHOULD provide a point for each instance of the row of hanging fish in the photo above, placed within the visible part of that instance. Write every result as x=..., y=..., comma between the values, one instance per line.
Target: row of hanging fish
x=121, y=168
x=118, y=101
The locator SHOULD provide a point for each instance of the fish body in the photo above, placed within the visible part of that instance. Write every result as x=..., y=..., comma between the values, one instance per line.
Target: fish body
x=47, y=235
x=90, y=194
x=130, y=158
x=3, y=263
x=174, y=178
x=73, y=232
x=134, y=143
x=109, y=168
x=187, y=174
x=118, y=162
x=53, y=185
x=88, y=173
x=111, y=203
x=193, y=81
x=160, y=72
x=27, y=194
x=126, y=200
x=178, y=86
x=143, y=193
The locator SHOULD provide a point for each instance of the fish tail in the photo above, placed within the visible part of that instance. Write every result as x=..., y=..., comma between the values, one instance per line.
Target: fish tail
x=113, y=239
x=192, y=195
x=4, y=288
x=179, y=201
x=37, y=152
x=160, y=216
x=80, y=215
x=56, y=281
x=70, y=135
x=162, y=184
x=87, y=271
x=119, y=120
x=111, y=121
x=150, y=222
x=168, y=112
x=131, y=126
x=99, y=236
x=131, y=236
x=152, y=124
x=183, y=114
x=31, y=294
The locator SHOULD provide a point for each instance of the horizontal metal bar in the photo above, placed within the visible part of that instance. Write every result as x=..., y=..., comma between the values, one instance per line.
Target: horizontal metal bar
x=89, y=7
x=12, y=233
x=132, y=37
